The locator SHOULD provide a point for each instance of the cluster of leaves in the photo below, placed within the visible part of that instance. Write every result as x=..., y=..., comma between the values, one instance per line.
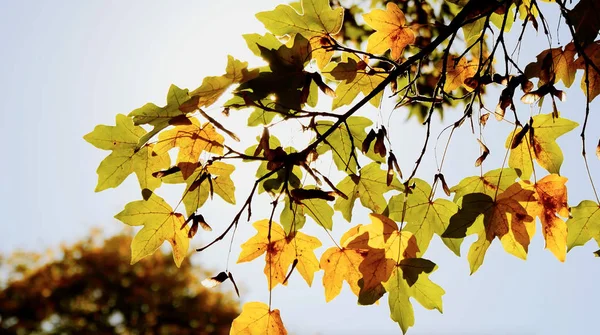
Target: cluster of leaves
x=411, y=57
x=93, y=289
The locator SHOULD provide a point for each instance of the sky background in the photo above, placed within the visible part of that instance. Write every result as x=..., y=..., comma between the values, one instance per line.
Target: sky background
x=67, y=66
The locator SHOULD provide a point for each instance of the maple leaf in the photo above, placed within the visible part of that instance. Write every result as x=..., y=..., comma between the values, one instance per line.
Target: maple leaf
x=316, y=23
x=257, y=319
x=162, y=117
x=426, y=292
x=491, y=183
x=457, y=72
x=341, y=264
x=391, y=31
x=191, y=140
x=553, y=65
x=423, y=216
x=293, y=217
x=213, y=87
x=584, y=224
x=279, y=86
x=584, y=17
x=281, y=251
x=593, y=53
x=549, y=199
x=125, y=159
x=385, y=248
x=505, y=218
x=369, y=187
x=542, y=146
x=215, y=177
x=355, y=77
x=344, y=141
x=160, y=224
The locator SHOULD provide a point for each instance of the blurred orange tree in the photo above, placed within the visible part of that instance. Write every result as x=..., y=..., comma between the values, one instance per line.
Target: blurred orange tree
x=94, y=289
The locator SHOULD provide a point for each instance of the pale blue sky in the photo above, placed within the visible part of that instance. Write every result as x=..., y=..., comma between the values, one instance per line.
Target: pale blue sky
x=69, y=65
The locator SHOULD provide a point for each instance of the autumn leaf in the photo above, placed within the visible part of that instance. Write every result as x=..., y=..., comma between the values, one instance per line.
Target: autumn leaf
x=355, y=77
x=213, y=87
x=491, y=183
x=391, y=31
x=548, y=201
x=369, y=187
x=124, y=159
x=424, y=217
x=293, y=217
x=457, y=72
x=542, y=146
x=281, y=251
x=553, y=65
x=593, y=53
x=584, y=224
x=505, y=218
x=342, y=264
x=198, y=185
x=257, y=319
x=344, y=141
x=161, y=117
x=585, y=20
x=423, y=290
x=192, y=140
x=159, y=223
x=316, y=22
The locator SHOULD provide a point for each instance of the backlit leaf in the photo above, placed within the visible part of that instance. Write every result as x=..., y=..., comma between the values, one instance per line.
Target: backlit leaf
x=424, y=217
x=391, y=31
x=257, y=319
x=123, y=139
x=159, y=223
x=542, y=147
x=369, y=187
x=584, y=224
x=281, y=251
x=192, y=140
x=491, y=183
x=316, y=22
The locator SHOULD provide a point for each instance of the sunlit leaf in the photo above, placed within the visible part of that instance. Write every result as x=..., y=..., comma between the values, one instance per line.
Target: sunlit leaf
x=257, y=319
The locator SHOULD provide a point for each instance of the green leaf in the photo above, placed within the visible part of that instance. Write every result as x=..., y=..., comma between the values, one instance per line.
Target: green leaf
x=160, y=224
x=426, y=292
x=343, y=143
x=543, y=146
x=491, y=183
x=315, y=23
x=424, y=217
x=584, y=224
x=293, y=219
x=160, y=117
x=505, y=218
x=198, y=187
x=355, y=77
x=369, y=187
x=124, y=160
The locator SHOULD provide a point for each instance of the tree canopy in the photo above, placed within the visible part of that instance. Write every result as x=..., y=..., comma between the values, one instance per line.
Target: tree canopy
x=93, y=288
x=330, y=69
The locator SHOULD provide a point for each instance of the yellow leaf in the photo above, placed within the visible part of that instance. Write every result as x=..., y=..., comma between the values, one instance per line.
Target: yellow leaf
x=281, y=251
x=457, y=72
x=191, y=140
x=391, y=31
x=160, y=224
x=257, y=319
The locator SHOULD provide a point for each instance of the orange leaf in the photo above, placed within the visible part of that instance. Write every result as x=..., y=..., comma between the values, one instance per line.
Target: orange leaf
x=593, y=53
x=257, y=318
x=391, y=31
x=548, y=202
x=457, y=72
x=191, y=140
x=281, y=251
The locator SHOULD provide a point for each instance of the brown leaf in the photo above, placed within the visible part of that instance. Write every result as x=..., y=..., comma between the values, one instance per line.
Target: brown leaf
x=484, y=154
x=299, y=194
